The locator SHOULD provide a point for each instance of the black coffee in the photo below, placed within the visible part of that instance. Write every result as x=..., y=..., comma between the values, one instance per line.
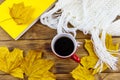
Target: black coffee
x=64, y=46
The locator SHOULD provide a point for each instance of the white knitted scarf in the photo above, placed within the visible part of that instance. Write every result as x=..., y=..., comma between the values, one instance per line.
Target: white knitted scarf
x=93, y=17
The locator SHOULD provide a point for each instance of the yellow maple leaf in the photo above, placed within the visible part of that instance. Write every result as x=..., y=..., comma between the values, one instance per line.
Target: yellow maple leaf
x=36, y=68
x=11, y=61
x=91, y=60
x=81, y=73
x=109, y=44
x=21, y=14
x=88, y=62
x=89, y=47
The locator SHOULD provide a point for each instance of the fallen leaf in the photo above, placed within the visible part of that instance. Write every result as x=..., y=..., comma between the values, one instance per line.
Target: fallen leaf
x=36, y=68
x=81, y=73
x=89, y=62
x=89, y=47
x=20, y=13
x=91, y=59
x=11, y=61
x=109, y=44
x=86, y=69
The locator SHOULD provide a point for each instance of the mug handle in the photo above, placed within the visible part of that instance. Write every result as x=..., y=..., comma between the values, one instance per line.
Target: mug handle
x=75, y=58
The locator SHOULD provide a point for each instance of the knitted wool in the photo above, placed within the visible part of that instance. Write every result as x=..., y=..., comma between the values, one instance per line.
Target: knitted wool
x=90, y=16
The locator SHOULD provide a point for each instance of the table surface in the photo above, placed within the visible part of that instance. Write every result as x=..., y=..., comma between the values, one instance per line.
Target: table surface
x=38, y=37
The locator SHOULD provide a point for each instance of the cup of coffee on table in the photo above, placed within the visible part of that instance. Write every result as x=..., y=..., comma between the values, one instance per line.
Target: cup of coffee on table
x=64, y=45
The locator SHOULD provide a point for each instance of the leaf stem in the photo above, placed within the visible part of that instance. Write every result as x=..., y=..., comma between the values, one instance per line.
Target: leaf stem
x=25, y=77
x=5, y=20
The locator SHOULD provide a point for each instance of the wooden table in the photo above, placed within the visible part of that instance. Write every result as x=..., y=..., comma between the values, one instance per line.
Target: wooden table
x=38, y=38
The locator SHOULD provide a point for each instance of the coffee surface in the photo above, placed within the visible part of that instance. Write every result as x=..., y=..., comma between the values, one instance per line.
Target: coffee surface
x=64, y=46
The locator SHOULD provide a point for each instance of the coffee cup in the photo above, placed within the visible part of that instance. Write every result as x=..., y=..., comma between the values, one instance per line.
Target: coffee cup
x=64, y=45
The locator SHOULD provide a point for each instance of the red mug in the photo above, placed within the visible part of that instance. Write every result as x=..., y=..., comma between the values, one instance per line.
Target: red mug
x=64, y=45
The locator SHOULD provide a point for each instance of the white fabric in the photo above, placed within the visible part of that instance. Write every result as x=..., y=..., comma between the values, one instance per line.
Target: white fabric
x=114, y=28
x=90, y=16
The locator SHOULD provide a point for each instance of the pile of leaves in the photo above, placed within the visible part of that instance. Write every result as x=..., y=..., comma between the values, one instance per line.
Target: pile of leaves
x=86, y=69
x=31, y=65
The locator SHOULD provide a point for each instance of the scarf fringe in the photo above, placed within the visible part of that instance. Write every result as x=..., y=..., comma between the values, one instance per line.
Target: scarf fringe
x=101, y=51
x=90, y=16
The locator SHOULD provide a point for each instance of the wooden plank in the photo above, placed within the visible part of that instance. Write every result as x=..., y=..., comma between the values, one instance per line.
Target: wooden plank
x=64, y=77
x=8, y=77
x=102, y=76
x=1, y=1
x=42, y=45
x=4, y=35
x=34, y=44
x=38, y=37
x=110, y=76
x=38, y=31
x=61, y=65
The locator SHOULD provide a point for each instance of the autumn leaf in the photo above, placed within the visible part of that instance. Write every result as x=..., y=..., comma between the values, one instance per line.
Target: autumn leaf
x=89, y=62
x=86, y=69
x=36, y=68
x=82, y=73
x=109, y=44
x=89, y=47
x=10, y=61
x=20, y=13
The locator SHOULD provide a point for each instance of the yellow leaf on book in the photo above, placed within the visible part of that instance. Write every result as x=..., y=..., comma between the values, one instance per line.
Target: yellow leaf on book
x=11, y=61
x=36, y=68
x=17, y=16
x=20, y=13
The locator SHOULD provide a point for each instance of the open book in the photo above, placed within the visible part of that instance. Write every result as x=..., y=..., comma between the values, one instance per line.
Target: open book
x=17, y=16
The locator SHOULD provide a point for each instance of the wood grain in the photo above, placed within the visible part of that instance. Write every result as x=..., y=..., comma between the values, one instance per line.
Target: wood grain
x=1, y=1
x=38, y=31
x=8, y=77
x=62, y=67
x=103, y=76
x=39, y=37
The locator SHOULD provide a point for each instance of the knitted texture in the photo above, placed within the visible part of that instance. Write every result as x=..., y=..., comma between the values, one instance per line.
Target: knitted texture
x=90, y=16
